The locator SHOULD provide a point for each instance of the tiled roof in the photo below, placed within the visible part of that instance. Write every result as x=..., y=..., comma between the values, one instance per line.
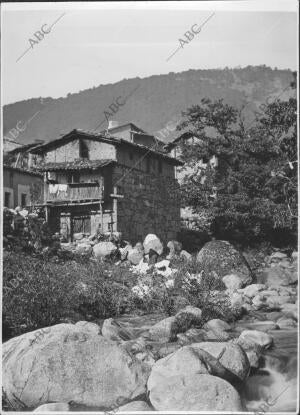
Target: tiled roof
x=80, y=164
x=22, y=170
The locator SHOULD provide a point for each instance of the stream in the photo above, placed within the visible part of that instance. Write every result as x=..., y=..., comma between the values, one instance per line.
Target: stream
x=273, y=387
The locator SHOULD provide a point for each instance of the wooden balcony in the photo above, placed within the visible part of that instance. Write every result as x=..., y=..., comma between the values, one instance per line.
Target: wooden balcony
x=75, y=192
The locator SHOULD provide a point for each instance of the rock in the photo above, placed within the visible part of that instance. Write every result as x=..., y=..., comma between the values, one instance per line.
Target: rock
x=294, y=256
x=253, y=289
x=218, y=335
x=175, y=248
x=164, y=331
x=197, y=392
x=230, y=355
x=277, y=276
x=286, y=323
x=194, y=312
x=66, y=363
x=78, y=236
x=236, y=299
x=258, y=302
x=114, y=331
x=278, y=256
x=224, y=259
x=255, y=337
x=185, y=255
x=153, y=242
x=104, y=249
x=135, y=406
x=182, y=362
x=253, y=358
x=141, y=290
x=88, y=327
x=217, y=324
x=124, y=252
x=84, y=248
x=141, y=268
x=135, y=256
x=290, y=310
x=275, y=301
x=275, y=315
x=53, y=407
x=232, y=281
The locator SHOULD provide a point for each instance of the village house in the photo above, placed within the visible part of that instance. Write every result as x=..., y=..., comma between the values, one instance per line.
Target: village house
x=120, y=180
x=188, y=218
x=21, y=187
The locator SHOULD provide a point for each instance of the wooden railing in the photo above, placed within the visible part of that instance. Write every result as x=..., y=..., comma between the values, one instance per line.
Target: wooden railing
x=74, y=191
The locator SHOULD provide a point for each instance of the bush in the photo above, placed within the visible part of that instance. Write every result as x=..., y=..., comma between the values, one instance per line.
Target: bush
x=38, y=292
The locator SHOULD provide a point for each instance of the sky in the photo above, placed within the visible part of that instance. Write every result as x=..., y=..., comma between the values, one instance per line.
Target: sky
x=90, y=44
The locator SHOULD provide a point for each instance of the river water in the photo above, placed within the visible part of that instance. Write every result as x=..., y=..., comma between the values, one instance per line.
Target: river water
x=273, y=388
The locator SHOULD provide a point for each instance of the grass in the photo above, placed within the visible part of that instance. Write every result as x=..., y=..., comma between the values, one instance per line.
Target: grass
x=40, y=292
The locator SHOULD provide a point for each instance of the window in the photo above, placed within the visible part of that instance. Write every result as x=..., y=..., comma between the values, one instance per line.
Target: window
x=23, y=199
x=7, y=199
x=83, y=150
x=73, y=177
x=130, y=156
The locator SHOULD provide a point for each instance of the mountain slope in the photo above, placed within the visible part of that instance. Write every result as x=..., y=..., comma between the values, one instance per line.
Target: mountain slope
x=151, y=102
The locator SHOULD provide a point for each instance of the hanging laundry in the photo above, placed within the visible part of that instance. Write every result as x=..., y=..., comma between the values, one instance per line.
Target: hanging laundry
x=53, y=188
x=62, y=188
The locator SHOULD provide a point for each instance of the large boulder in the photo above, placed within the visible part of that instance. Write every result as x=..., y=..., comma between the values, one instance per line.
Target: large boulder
x=230, y=355
x=276, y=276
x=217, y=325
x=256, y=338
x=182, y=362
x=192, y=315
x=164, y=331
x=232, y=282
x=253, y=289
x=66, y=363
x=222, y=258
x=152, y=242
x=104, y=249
x=196, y=392
x=135, y=256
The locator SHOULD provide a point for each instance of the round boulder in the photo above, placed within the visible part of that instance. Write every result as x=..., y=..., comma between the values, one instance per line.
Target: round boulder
x=197, y=392
x=257, y=338
x=222, y=258
x=104, y=249
x=232, y=282
x=66, y=363
x=230, y=355
x=152, y=242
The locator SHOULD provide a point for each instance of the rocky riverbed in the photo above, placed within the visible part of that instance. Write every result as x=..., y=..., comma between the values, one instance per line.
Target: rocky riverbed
x=190, y=360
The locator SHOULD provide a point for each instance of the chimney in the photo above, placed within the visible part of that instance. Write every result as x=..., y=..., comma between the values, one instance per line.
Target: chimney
x=112, y=124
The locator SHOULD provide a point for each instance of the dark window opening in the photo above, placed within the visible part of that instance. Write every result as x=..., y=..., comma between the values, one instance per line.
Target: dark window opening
x=7, y=199
x=23, y=199
x=73, y=177
x=83, y=150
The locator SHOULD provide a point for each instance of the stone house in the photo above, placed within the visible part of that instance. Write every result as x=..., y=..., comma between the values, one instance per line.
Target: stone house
x=188, y=218
x=117, y=179
x=21, y=187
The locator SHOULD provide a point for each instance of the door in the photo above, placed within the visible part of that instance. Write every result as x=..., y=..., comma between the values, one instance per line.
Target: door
x=81, y=223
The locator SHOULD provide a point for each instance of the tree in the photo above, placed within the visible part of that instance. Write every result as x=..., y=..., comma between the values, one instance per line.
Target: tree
x=253, y=191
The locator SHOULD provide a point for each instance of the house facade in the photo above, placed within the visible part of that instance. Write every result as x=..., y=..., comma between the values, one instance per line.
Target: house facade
x=109, y=180
x=21, y=187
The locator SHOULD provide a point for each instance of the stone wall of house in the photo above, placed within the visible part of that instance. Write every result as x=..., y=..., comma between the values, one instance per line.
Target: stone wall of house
x=67, y=152
x=100, y=151
x=151, y=204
